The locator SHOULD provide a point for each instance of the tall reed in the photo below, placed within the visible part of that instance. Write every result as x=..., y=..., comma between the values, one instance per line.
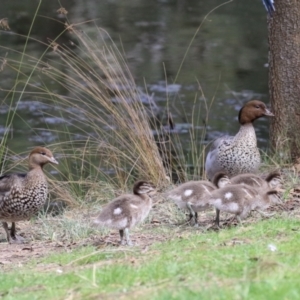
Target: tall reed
x=106, y=133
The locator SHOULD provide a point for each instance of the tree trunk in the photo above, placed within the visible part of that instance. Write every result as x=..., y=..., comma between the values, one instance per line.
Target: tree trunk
x=284, y=77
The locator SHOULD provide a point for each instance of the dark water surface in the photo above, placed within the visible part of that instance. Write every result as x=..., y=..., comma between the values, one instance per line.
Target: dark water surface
x=226, y=61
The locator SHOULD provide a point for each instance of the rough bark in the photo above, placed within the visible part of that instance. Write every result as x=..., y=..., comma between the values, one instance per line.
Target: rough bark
x=284, y=76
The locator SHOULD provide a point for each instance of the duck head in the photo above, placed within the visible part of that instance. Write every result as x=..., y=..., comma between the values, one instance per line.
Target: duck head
x=41, y=156
x=274, y=179
x=143, y=187
x=253, y=110
x=220, y=180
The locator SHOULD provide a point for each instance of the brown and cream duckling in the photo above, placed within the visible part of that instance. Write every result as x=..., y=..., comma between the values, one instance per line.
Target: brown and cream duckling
x=127, y=210
x=23, y=195
x=192, y=195
x=238, y=154
x=272, y=181
x=240, y=199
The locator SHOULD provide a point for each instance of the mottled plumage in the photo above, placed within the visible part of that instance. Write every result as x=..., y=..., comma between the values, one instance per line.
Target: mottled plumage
x=261, y=186
x=240, y=199
x=273, y=180
x=238, y=154
x=23, y=195
x=191, y=196
x=127, y=210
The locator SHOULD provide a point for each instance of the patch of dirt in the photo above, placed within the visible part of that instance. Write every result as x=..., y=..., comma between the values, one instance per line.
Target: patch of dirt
x=15, y=255
x=18, y=254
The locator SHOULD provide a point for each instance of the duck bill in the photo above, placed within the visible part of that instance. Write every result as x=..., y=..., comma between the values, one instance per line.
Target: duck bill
x=152, y=193
x=269, y=113
x=53, y=161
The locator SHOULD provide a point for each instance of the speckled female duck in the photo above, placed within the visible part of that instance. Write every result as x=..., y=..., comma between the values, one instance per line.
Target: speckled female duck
x=23, y=195
x=238, y=154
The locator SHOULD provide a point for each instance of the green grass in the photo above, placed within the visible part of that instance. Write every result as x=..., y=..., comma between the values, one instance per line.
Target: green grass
x=234, y=263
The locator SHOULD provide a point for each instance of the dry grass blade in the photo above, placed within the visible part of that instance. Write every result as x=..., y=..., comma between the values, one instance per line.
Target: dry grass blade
x=108, y=132
x=119, y=125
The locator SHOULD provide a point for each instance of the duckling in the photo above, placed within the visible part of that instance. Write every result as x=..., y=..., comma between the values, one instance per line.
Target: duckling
x=272, y=181
x=192, y=195
x=240, y=199
x=238, y=154
x=127, y=210
x=23, y=195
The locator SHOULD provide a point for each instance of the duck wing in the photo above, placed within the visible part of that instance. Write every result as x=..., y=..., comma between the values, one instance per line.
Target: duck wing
x=217, y=142
x=212, y=165
x=115, y=214
x=10, y=180
x=6, y=184
x=250, y=179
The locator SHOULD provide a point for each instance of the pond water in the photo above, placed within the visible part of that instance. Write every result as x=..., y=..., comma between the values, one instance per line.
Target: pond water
x=223, y=62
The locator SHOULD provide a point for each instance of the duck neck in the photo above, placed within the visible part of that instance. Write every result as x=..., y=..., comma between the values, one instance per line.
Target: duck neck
x=33, y=166
x=144, y=196
x=35, y=171
x=246, y=135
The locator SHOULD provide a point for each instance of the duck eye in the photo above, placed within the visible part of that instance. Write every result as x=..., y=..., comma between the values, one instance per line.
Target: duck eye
x=43, y=153
x=257, y=106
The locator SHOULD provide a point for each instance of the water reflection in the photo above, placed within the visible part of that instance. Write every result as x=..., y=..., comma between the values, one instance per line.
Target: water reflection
x=224, y=62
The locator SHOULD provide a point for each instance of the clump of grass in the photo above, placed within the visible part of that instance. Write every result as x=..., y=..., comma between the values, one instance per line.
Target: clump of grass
x=116, y=130
x=106, y=127
x=105, y=133
x=72, y=226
